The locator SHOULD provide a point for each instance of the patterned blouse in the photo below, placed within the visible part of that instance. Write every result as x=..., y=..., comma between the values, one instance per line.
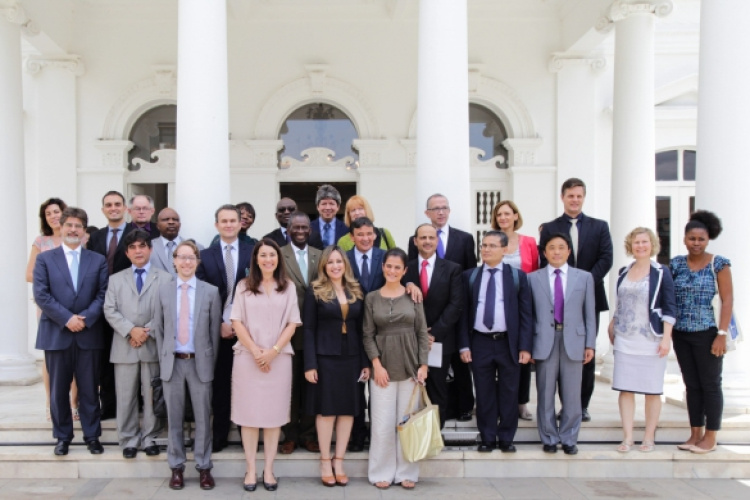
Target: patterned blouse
x=695, y=290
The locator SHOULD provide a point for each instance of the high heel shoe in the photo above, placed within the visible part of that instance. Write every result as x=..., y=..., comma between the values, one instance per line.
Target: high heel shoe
x=249, y=486
x=341, y=478
x=329, y=481
x=270, y=486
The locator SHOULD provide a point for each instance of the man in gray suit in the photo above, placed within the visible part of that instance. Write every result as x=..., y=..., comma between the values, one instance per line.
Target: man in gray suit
x=300, y=256
x=168, y=224
x=564, y=340
x=186, y=326
x=129, y=308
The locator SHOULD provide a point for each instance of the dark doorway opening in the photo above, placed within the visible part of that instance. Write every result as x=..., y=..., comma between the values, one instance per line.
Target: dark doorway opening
x=304, y=194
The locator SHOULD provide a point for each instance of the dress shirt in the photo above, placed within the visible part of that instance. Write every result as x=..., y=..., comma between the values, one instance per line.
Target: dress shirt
x=235, y=252
x=322, y=224
x=190, y=346
x=305, y=255
x=444, y=236
x=120, y=228
x=430, y=267
x=283, y=231
x=498, y=324
x=358, y=257
x=146, y=268
x=563, y=277
x=69, y=257
x=177, y=241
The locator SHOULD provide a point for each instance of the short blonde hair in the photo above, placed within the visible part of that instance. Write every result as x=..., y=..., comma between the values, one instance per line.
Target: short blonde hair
x=517, y=225
x=655, y=245
x=357, y=201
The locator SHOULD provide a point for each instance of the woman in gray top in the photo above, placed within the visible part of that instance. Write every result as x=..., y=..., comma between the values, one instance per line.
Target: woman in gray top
x=396, y=341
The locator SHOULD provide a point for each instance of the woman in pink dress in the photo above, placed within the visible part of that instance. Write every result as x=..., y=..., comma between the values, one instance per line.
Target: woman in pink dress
x=264, y=316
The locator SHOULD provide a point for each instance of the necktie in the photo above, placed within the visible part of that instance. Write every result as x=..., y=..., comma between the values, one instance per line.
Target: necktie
x=111, y=251
x=183, y=330
x=489, y=301
x=574, y=238
x=559, y=298
x=327, y=234
x=440, y=247
x=139, y=279
x=423, y=281
x=365, y=274
x=229, y=264
x=74, y=269
x=302, y=264
x=286, y=237
x=170, y=254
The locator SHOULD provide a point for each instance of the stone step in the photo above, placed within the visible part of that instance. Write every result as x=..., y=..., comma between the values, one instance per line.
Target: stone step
x=592, y=461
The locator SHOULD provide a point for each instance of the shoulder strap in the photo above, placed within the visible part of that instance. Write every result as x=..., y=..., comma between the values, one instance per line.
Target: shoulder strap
x=473, y=277
x=514, y=272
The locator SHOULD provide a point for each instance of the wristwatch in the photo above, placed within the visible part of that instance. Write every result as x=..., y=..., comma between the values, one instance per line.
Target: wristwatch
x=723, y=333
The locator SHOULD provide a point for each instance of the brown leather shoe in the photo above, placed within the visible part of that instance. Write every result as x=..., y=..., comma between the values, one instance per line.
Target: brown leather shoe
x=207, y=480
x=311, y=446
x=176, y=482
x=287, y=447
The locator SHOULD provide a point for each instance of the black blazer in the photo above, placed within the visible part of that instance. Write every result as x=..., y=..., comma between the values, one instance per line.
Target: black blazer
x=662, y=302
x=278, y=236
x=322, y=330
x=377, y=280
x=444, y=300
x=518, y=308
x=595, y=250
x=211, y=268
x=316, y=240
x=460, y=249
x=98, y=243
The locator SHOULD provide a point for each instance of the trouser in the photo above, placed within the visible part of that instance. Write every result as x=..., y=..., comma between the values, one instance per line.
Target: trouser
x=107, y=393
x=524, y=384
x=301, y=427
x=701, y=372
x=359, y=427
x=461, y=390
x=130, y=380
x=437, y=387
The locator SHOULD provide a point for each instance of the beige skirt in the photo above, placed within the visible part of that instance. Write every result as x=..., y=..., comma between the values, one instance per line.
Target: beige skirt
x=261, y=399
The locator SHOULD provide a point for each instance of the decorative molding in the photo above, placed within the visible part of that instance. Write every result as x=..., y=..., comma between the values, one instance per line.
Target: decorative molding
x=317, y=157
x=522, y=151
x=114, y=154
x=165, y=159
x=14, y=13
x=477, y=158
x=264, y=154
x=35, y=64
x=560, y=61
x=370, y=152
x=621, y=9
x=410, y=145
x=317, y=75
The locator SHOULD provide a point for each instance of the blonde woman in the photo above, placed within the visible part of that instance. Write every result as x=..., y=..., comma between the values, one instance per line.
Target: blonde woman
x=356, y=207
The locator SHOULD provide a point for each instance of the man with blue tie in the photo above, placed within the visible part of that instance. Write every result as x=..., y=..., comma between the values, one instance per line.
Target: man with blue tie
x=495, y=336
x=69, y=287
x=327, y=229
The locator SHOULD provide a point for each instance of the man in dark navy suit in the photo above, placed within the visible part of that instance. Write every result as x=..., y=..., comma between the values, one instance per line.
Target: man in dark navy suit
x=69, y=287
x=327, y=229
x=224, y=265
x=284, y=209
x=592, y=252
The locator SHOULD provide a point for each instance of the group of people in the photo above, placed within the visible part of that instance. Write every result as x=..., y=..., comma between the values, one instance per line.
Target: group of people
x=287, y=332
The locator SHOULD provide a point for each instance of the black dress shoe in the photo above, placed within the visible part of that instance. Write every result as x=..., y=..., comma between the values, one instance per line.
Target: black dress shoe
x=152, y=450
x=465, y=417
x=249, y=486
x=550, y=448
x=95, y=447
x=61, y=448
x=506, y=447
x=270, y=486
x=356, y=446
x=485, y=447
x=570, y=449
x=129, y=452
x=585, y=417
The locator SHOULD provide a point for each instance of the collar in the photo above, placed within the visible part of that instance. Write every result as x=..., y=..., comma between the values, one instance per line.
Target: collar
x=431, y=261
x=235, y=244
x=444, y=229
x=297, y=249
x=192, y=282
x=579, y=218
x=499, y=267
x=359, y=254
x=563, y=269
x=121, y=227
x=67, y=249
x=146, y=268
x=146, y=227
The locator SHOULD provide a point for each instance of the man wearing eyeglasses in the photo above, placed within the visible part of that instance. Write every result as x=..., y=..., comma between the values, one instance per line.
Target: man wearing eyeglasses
x=141, y=209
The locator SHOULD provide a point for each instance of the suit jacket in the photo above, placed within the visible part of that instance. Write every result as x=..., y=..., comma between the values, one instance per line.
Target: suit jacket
x=159, y=256
x=125, y=308
x=662, y=302
x=322, y=322
x=207, y=319
x=98, y=243
x=153, y=231
x=579, y=314
x=460, y=249
x=518, y=310
x=59, y=301
x=211, y=268
x=277, y=236
x=444, y=300
x=316, y=239
x=594, y=250
x=294, y=274
x=377, y=280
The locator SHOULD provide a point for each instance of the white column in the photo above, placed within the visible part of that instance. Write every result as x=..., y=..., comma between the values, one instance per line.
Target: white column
x=443, y=108
x=722, y=176
x=16, y=365
x=202, y=172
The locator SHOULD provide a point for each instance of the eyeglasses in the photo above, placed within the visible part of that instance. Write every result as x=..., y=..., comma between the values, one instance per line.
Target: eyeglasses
x=439, y=209
x=286, y=209
x=140, y=209
x=74, y=226
x=490, y=246
x=186, y=258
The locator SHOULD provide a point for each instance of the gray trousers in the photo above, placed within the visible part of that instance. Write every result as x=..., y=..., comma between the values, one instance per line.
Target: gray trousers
x=558, y=368
x=174, y=396
x=130, y=379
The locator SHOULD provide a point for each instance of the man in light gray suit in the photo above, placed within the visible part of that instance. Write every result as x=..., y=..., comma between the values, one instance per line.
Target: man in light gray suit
x=564, y=340
x=186, y=326
x=129, y=307
x=168, y=224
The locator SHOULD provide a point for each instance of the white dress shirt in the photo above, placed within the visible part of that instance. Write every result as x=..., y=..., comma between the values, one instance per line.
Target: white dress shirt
x=358, y=257
x=552, y=276
x=499, y=324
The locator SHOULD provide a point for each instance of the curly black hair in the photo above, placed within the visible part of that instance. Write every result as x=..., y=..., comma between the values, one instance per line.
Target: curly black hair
x=708, y=221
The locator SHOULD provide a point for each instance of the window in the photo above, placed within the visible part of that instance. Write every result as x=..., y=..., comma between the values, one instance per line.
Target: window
x=318, y=125
x=675, y=165
x=155, y=129
x=487, y=132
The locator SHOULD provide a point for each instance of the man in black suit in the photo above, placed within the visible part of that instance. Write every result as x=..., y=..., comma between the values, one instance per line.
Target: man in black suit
x=592, y=252
x=224, y=265
x=141, y=209
x=495, y=336
x=457, y=246
x=440, y=282
x=108, y=241
x=284, y=209
x=327, y=229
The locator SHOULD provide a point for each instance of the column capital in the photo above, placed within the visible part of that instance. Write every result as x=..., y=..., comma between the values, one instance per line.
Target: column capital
x=14, y=13
x=622, y=9
x=72, y=63
x=522, y=151
x=560, y=61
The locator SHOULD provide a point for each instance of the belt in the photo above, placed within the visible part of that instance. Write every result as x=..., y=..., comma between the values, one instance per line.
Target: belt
x=492, y=335
x=184, y=355
x=558, y=327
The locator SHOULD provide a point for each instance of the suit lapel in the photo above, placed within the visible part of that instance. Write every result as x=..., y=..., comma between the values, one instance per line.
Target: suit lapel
x=375, y=265
x=583, y=233
x=199, y=292
x=292, y=264
x=475, y=294
x=571, y=284
x=62, y=262
x=149, y=280
x=544, y=282
x=312, y=264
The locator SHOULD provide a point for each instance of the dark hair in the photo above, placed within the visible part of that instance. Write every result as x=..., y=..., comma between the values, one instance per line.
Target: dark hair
x=571, y=183
x=361, y=222
x=395, y=252
x=230, y=207
x=137, y=236
x=498, y=234
x=116, y=193
x=563, y=236
x=46, y=228
x=76, y=213
x=255, y=276
x=247, y=207
x=416, y=231
x=708, y=221
x=297, y=215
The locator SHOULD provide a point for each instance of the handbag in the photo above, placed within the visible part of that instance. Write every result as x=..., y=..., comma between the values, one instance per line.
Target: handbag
x=734, y=333
x=419, y=431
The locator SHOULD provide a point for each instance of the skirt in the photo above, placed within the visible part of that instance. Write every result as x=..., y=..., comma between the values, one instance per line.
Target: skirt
x=639, y=374
x=261, y=400
x=337, y=391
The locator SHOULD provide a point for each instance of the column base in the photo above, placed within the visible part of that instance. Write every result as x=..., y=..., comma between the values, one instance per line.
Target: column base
x=20, y=370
